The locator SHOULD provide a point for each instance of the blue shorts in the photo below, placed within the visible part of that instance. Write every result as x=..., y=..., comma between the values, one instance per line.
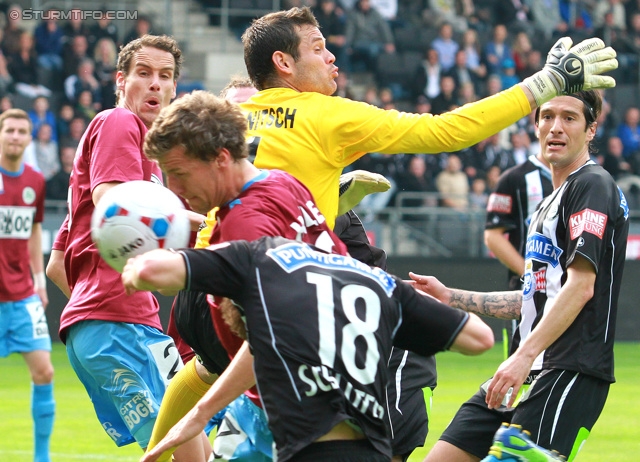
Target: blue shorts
x=125, y=368
x=243, y=434
x=23, y=327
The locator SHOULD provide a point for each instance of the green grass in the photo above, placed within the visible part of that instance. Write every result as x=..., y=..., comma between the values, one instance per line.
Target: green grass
x=78, y=435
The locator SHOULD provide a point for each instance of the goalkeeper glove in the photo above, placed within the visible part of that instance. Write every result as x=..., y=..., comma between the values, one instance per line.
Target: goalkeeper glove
x=571, y=69
x=355, y=185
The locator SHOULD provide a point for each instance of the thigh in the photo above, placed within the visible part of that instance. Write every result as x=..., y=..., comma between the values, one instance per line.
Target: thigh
x=23, y=325
x=561, y=408
x=125, y=374
x=474, y=425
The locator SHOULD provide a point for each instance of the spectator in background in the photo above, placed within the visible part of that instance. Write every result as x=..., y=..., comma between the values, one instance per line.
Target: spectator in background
x=417, y=178
x=474, y=54
x=102, y=29
x=77, y=127
x=446, y=99
x=445, y=46
x=428, y=74
x=75, y=26
x=343, y=86
x=508, y=75
x=43, y=153
x=462, y=74
x=494, y=84
x=86, y=107
x=76, y=51
x=520, y=146
x=332, y=24
x=478, y=196
x=534, y=61
x=497, y=49
x=12, y=31
x=82, y=80
x=49, y=39
x=467, y=93
x=629, y=132
x=617, y=11
x=23, y=68
x=521, y=48
x=546, y=18
x=65, y=116
x=453, y=185
x=105, y=56
x=6, y=80
x=6, y=103
x=367, y=35
x=142, y=27
x=40, y=115
x=613, y=160
x=456, y=13
x=493, y=176
x=58, y=184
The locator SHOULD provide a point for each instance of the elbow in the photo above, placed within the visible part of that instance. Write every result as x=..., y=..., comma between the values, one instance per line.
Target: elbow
x=484, y=341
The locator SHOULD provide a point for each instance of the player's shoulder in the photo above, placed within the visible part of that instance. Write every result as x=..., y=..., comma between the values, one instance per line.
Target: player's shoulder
x=117, y=116
x=31, y=175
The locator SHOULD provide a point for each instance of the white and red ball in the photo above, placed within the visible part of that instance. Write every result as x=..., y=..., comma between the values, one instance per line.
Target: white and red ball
x=135, y=217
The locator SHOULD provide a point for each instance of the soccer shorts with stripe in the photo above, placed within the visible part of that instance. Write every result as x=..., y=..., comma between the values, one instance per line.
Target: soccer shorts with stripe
x=559, y=409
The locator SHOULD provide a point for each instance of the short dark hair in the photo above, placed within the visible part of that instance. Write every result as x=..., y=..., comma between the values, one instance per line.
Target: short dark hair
x=201, y=123
x=270, y=33
x=591, y=106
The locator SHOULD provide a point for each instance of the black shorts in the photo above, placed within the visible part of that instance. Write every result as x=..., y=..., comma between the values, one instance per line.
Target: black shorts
x=340, y=451
x=409, y=373
x=555, y=409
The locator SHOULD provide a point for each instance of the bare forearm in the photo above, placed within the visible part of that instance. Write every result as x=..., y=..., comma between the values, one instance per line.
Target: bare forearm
x=501, y=305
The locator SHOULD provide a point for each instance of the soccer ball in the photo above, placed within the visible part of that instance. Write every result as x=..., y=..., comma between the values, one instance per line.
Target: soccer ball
x=135, y=217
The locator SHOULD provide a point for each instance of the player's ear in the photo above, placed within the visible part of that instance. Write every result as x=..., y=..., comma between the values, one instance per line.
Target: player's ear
x=120, y=79
x=283, y=62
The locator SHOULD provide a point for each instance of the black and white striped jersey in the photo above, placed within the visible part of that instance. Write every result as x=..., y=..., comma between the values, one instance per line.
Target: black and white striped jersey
x=519, y=191
x=587, y=215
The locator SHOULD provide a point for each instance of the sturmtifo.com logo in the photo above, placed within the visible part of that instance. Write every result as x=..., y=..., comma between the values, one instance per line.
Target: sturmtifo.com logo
x=76, y=14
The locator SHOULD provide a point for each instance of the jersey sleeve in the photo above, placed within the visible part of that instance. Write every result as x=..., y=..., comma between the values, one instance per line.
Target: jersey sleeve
x=60, y=242
x=428, y=326
x=219, y=270
x=589, y=214
x=501, y=207
x=117, y=158
x=356, y=128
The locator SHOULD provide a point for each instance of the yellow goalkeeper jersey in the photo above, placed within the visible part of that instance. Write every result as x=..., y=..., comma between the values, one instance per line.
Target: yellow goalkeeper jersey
x=313, y=136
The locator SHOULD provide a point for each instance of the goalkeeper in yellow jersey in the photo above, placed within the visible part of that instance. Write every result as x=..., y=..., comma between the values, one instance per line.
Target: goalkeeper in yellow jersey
x=296, y=126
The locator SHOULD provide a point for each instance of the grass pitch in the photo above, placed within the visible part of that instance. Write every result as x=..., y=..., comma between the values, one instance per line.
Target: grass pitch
x=78, y=436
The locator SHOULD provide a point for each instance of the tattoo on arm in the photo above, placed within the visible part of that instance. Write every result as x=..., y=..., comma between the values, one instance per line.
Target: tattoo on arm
x=501, y=305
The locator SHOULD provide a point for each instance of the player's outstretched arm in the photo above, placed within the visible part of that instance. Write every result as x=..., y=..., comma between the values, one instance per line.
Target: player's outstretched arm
x=236, y=379
x=474, y=338
x=155, y=270
x=501, y=305
x=570, y=69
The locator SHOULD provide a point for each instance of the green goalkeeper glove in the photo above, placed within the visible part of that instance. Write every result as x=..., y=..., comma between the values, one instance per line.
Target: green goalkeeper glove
x=356, y=184
x=569, y=70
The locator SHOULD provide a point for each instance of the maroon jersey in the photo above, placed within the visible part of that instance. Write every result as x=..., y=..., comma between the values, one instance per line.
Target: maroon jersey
x=109, y=151
x=21, y=205
x=272, y=204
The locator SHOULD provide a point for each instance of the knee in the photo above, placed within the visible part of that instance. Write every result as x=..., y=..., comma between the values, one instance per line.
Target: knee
x=43, y=374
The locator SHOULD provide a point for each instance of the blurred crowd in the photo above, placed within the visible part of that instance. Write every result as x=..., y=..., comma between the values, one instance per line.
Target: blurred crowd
x=412, y=55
